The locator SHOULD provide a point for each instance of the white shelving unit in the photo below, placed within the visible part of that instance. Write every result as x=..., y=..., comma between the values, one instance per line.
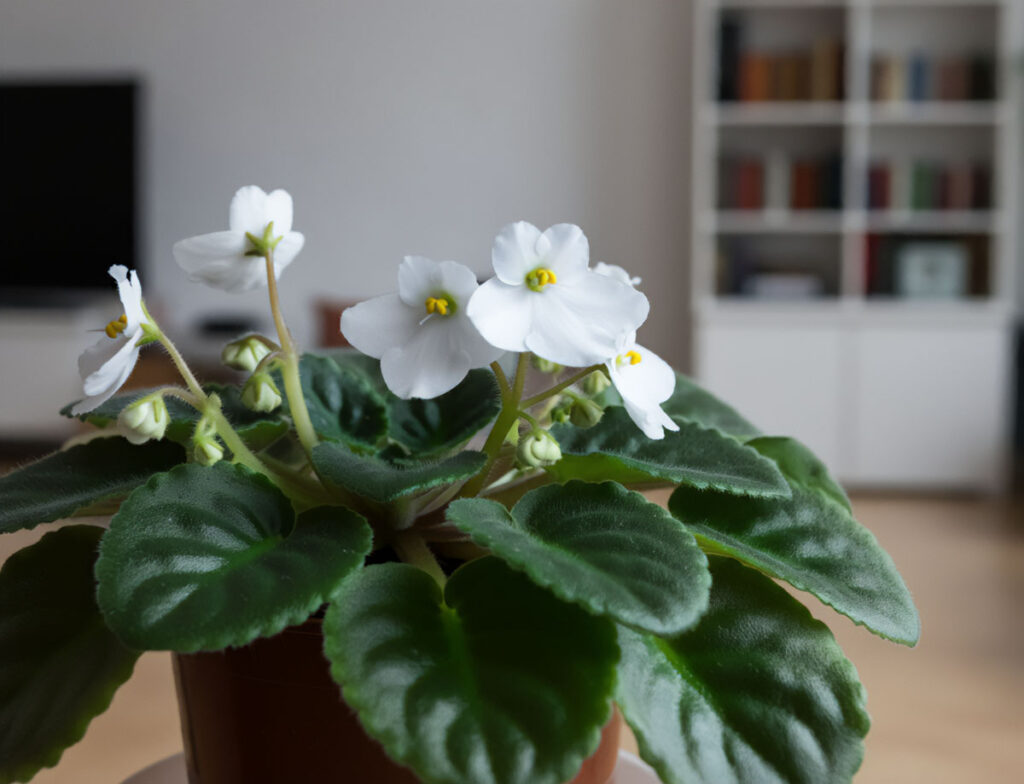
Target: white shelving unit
x=890, y=392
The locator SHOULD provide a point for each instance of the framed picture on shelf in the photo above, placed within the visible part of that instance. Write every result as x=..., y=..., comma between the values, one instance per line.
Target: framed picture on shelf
x=932, y=270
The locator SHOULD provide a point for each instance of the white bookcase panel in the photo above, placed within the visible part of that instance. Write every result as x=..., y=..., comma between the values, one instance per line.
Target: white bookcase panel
x=856, y=371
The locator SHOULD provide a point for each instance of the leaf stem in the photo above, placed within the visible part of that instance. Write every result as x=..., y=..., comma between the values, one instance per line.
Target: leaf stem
x=412, y=549
x=532, y=401
x=503, y=385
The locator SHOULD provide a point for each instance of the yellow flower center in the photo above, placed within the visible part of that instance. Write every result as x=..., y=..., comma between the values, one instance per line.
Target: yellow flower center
x=630, y=357
x=540, y=278
x=440, y=305
x=116, y=327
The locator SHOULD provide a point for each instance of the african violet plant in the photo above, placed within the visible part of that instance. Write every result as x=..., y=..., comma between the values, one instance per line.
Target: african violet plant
x=476, y=535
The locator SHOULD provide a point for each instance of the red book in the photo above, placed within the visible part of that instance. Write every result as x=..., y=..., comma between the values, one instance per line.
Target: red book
x=804, y=186
x=751, y=185
x=879, y=182
x=944, y=195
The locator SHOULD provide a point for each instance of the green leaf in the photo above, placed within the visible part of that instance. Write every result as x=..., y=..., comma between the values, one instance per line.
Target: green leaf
x=758, y=693
x=383, y=481
x=692, y=403
x=256, y=429
x=203, y=558
x=438, y=425
x=59, y=664
x=342, y=403
x=809, y=540
x=498, y=682
x=358, y=362
x=58, y=485
x=600, y=546
x=616, y=449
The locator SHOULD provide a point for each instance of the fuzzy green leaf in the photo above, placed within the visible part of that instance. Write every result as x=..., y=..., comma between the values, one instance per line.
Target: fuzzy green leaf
x=600, y=546
x=810, y=540
x=256, y=429
x=616, y=449
x=59, y=664
x=758, y=693
x=343, y=405
x=202, y=558
x=496, y=682
x=383, y=481
x=432, y=427
x=692, y=403
x=58, y=485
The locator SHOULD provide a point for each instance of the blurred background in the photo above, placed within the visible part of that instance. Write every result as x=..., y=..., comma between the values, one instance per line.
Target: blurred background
x=823, y=198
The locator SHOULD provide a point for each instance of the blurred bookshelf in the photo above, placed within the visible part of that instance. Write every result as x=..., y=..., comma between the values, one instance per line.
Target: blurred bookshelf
x=855, y=175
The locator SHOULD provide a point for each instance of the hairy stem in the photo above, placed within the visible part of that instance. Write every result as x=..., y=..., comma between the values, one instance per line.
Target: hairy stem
x=532, y=401
x=290, y=364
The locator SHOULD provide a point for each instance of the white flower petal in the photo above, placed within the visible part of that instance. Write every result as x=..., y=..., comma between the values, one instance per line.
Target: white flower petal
x=417, y=280
x=252, y=209
x=582, y=323
x=651, y=377
x=569, y=252
x=380, y=324
x=516, y=253
x=104, y=367
x=649, y=417
x=285, y=252
x=425, y=367
x=130, y=292
x=617, y=272
x=503, y=314
x=457, y=280
x=468, y=340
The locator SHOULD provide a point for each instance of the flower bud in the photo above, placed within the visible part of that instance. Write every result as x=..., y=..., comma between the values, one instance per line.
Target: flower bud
x=144, y=419
x=206, y=451
x=538, y=448
x=244, y=353
x=260, y=393
x=585, y=413
x=545, y=365
x=596, y=383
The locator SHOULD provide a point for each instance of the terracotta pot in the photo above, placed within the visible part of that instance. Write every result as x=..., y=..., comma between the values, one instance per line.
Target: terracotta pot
x=269, y=713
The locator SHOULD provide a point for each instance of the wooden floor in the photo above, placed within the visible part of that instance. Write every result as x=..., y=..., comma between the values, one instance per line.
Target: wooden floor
x=951, y=710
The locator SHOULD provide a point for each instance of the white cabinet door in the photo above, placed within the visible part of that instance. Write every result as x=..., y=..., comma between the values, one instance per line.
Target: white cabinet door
x=785, y=379
x=932, y=407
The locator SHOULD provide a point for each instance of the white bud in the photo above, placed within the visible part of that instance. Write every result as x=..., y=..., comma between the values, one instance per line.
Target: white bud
x=260, y=393
x=538, y=448
x=145, y=419
x=206, y=451
x=244, y=353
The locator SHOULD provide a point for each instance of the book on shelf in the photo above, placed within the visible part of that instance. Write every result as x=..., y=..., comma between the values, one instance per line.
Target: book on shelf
x=919, y=77
x=779, y=182
x=901, y=184
x=815, y=73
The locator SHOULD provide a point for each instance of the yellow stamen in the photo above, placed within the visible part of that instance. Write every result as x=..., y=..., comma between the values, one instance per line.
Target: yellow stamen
x=439, y=305
x=540, y=278
x=116, y=327
x=632, y=357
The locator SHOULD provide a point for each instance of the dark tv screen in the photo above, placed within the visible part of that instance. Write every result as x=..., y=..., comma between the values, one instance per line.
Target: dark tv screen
x=69, y=193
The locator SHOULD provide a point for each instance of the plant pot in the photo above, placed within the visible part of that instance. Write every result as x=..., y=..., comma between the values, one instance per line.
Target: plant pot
x=269, y=713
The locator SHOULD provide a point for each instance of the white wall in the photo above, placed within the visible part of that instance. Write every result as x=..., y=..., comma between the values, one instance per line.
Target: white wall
x=399, y=126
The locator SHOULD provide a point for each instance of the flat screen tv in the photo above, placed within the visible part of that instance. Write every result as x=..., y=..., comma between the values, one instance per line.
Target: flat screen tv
x=69, y=192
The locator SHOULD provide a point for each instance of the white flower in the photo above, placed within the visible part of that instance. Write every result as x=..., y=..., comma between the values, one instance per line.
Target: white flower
x=219, y=259
x=645, y=381
x=144, y=419
x=546, y=299
x=106, y=365
x=422, y=336
x=617, y=272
